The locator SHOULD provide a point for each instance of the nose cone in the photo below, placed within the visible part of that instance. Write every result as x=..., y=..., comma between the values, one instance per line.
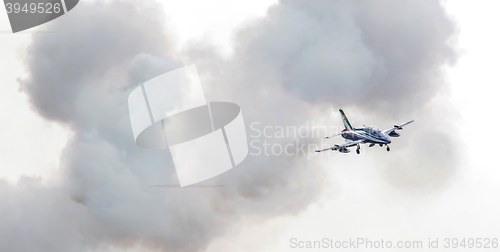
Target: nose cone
x=387, y=140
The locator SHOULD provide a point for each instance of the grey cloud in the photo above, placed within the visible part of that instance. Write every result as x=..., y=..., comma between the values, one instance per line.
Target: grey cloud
x=144, y=67
x=82, y=77
x=379, y=55
x=383, y=59
x=39, y=218
x=285, y=69
x=87, y=43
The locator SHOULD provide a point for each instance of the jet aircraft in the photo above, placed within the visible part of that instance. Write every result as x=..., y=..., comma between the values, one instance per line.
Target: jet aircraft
x=364, y=135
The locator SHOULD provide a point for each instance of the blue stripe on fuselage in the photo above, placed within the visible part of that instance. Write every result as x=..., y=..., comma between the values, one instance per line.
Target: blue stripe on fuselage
x=355, y=135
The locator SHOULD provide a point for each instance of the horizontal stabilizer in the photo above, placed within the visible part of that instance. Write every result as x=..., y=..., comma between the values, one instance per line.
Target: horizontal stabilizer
x=342, y=147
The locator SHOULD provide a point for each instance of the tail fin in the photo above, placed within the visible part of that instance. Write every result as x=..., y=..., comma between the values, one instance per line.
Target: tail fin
x=344, y=119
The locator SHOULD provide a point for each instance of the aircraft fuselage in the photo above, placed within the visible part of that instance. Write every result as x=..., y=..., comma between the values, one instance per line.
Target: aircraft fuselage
x=370, y=135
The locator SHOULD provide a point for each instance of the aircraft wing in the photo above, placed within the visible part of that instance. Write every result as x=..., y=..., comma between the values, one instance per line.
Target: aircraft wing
x=397, y=127
x=344, y=145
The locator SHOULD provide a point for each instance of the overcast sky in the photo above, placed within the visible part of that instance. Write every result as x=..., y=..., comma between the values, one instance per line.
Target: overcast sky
x=72, y=179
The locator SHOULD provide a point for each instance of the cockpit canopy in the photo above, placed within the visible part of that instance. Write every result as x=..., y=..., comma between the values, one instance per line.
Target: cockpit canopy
x=373, y=130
